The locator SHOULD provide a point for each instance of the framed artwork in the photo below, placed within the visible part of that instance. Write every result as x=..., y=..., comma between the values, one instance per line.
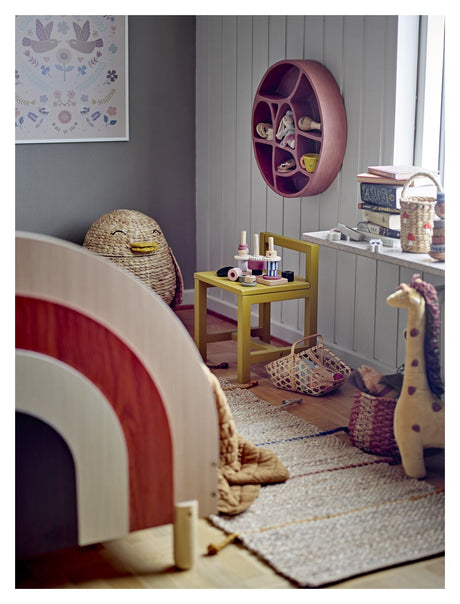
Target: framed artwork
x=71, y=79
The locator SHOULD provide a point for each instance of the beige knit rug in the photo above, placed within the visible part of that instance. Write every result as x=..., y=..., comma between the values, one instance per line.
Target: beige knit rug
x=341, y=513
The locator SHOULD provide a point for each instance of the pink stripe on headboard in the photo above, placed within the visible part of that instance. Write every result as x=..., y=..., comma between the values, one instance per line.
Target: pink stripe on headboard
x=100, y=355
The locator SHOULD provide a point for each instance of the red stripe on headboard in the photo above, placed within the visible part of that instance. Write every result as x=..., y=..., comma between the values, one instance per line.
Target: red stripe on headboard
x=84, y=344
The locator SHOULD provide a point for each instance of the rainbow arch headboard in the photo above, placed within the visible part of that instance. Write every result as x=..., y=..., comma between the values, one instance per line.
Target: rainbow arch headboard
x=116, y=421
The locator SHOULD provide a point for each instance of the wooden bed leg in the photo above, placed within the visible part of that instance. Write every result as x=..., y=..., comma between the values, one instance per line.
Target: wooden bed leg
x=185, y=534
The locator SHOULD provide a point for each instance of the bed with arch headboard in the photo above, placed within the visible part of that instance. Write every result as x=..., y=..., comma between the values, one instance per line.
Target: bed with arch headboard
x=116, y=423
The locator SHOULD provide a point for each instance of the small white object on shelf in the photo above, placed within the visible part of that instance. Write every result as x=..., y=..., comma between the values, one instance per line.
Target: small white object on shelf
x=375, y=245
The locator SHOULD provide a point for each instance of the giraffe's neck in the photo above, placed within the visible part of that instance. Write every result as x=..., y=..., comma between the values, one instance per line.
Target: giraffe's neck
x=415, y=336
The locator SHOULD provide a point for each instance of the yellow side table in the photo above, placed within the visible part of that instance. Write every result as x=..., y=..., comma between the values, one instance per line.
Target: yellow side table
x=251, y=350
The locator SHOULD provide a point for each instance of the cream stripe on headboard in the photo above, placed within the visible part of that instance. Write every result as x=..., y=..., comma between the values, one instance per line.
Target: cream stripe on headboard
x=66, y=400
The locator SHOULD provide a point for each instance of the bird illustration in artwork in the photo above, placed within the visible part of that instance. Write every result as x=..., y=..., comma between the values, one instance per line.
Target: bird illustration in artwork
x=80, y=43
x=136, y=242
x=44, y=42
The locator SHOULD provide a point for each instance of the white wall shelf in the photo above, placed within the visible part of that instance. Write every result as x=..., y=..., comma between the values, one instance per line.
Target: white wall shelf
x=418, y=262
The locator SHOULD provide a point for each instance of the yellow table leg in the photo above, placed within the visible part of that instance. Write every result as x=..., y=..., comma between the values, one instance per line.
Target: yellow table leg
x=264, y=321
x=311, y=303
x=244, y=339
x=200, y=319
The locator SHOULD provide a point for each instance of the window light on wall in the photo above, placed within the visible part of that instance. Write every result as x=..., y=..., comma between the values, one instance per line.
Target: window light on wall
x=429, y=128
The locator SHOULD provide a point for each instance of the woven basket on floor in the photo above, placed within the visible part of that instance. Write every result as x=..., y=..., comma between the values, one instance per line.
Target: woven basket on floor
x=417, y=217
x=114, y=236
x=294, y=372
x=371, y=424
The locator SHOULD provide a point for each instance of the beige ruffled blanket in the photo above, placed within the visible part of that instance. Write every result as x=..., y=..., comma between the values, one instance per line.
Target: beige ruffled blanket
x=243, y=466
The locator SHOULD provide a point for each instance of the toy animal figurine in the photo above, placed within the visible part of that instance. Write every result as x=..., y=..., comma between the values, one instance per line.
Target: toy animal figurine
x=286, y=130
x=135, y=242
x=419, y=413
x=265, y=130
x=306, y=123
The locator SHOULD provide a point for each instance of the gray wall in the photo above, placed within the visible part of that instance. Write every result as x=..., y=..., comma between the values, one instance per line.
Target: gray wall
x=62, y=188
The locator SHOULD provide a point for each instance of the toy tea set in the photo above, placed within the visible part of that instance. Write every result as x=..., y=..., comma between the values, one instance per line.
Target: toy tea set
x=250, y=268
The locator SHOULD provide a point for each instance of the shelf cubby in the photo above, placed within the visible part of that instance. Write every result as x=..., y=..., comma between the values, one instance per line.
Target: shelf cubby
x=306, y=88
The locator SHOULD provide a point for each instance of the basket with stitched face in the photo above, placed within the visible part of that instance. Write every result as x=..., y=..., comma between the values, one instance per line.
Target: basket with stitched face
x=136, y=242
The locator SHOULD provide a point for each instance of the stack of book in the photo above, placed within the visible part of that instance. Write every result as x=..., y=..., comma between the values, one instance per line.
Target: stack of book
x=380, y=194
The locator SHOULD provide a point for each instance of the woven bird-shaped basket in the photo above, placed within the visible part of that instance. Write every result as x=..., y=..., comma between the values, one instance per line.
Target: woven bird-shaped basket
x=315, y=371
x=417, y=217
x=136, y=242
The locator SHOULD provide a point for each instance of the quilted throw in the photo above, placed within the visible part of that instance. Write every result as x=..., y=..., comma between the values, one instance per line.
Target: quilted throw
x=243, y=466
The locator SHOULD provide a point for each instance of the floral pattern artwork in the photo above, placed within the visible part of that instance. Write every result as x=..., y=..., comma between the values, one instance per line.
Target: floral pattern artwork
x=71, y=78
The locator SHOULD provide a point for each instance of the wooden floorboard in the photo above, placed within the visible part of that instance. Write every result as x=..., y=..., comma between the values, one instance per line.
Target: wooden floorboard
x=144, y=559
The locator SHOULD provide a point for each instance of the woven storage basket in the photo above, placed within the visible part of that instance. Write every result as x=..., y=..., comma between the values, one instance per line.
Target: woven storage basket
x=417, y=217
x=113, y=234
x=294, y=372
x=371, y=424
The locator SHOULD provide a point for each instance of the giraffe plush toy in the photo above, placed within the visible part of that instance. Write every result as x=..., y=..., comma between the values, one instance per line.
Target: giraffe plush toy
x=419, y=413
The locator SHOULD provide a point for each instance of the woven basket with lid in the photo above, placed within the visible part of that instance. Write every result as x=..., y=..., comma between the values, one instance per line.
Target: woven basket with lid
x=136, y=242
x=417, y=217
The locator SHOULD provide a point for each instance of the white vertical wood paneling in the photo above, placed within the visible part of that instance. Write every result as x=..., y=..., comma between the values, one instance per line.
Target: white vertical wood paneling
x=275, y=203
x=291, y=206
x=364, y=319
x=259, y=67
x=243, y=124
x=229, y=144
x=233, y=53
x=386, y=321
x=313, y=50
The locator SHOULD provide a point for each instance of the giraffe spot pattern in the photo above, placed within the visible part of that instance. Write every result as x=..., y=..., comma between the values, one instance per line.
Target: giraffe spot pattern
x=414, y=332
x=414, y=363
x=416, y=428
x=411, y=389
x=436, y=407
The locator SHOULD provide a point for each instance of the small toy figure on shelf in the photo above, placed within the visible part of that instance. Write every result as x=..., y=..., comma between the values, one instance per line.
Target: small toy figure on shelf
x=286, y=130
x=306, y=123
x=285, y=166
x=265, y=130
x=375, y=245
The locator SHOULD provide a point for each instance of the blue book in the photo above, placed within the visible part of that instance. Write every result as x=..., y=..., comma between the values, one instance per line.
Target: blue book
x=389, y=196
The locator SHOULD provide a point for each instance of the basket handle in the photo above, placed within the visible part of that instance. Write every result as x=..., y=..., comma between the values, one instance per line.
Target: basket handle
x=411, y=179
x=313, y=335
x=292, y=355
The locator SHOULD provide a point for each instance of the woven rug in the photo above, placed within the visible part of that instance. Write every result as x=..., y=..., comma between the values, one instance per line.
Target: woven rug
x=341, y=513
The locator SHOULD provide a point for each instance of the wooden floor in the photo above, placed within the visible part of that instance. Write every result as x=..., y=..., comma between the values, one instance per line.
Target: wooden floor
x=144, y=560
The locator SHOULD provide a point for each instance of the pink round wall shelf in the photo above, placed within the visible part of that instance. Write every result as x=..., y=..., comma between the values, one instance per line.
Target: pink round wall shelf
x=299, y=89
